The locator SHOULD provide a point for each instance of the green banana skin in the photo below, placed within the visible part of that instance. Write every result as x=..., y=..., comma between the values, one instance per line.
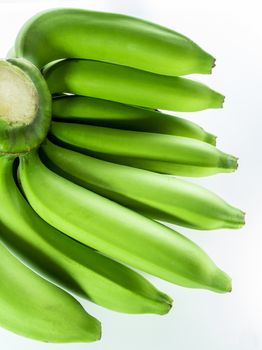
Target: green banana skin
x=156, y=152
x=115, y=38
x=117, y=231
x=154, y=195
x=37, y=309
x=130, y=86
x=67, y=263
x=105, y=113
x=21, y=137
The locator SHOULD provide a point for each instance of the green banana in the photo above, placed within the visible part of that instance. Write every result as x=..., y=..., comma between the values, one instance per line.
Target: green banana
x=66, y=262
x=154, y=195
x=115, y=38
x=156, y=152
x=131, y=86
x=117, y=231
x=37, y=309
x=99, y=112
x=25, y=106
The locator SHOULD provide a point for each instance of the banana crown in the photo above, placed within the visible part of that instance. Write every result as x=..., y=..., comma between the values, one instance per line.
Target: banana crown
x=86, y=158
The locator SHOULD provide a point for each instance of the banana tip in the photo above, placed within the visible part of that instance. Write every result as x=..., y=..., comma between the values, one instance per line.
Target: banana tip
x=166, y=310
x=222, y=100
x=217, y=100
x=211, y=139
x=228, y=163
x=167, y=301
x=243, y=219
x=222, y=282
x=211, y=64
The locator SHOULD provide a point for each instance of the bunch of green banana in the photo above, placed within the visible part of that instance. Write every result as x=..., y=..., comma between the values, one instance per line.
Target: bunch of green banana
x=85, y=164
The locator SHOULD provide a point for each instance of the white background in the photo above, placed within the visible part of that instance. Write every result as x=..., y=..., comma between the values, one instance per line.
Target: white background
x=201, y=320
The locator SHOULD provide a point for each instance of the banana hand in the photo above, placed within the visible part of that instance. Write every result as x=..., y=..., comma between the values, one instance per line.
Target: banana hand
x=117, y=231
x=67, y=263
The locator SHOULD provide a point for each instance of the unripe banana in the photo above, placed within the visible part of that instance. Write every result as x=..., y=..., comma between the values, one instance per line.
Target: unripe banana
x=105, y=113
x=117, y=231
x=37, y=309
x=68, y=263
x=131, y=86
x=157, y=196
x=156, y=152
x=116, y=38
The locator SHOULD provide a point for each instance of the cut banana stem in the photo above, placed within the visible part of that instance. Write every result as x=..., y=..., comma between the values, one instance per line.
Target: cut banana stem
x=25, y=106
x=156, y=152
x=109, y=37
x=131, y=86
x=117, y=231
x=37, y=309
x=157, y=196
x=94, y=111
x=73, y=266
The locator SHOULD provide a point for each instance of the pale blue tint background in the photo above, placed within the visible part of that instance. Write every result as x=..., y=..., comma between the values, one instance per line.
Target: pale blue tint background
x=201, y=320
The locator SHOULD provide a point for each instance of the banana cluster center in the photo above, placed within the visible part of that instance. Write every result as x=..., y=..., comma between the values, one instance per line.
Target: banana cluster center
x=18, y=96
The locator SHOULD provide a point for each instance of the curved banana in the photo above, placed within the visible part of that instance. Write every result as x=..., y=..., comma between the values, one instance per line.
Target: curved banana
x=117, y=231
x=37, y=309
x=67, y=263
x=115, y=38
x=157, y=196
x=156, y=152
x=105, y=113
x=130, y=86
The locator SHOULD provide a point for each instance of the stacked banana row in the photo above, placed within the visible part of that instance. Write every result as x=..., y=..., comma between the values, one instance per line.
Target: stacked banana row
x=87, y=205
